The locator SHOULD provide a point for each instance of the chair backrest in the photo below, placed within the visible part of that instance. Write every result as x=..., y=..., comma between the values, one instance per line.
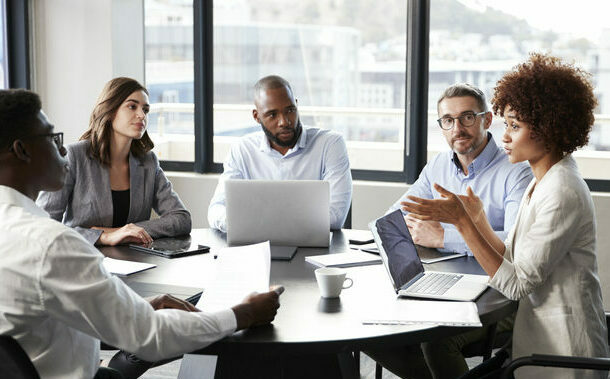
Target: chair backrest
x=14, y=362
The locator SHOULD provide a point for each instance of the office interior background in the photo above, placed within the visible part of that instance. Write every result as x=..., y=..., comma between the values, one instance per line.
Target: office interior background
x=371, y=70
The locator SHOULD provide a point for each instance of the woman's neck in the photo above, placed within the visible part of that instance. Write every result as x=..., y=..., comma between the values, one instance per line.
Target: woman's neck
x=119, y=149
x=542, y=165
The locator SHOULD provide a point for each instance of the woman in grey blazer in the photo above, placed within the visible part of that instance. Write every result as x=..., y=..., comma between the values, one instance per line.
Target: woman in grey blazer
x=114, y=179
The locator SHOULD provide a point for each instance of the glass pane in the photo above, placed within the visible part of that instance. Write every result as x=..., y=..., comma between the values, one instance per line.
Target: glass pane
x=478, y=41
x=3, y=62
x=169, y=77
x=344, y=60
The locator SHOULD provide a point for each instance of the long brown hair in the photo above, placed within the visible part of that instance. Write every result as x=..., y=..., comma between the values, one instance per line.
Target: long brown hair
x=115, y=92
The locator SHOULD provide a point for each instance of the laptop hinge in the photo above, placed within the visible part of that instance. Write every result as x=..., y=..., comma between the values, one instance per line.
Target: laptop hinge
x=415, y=279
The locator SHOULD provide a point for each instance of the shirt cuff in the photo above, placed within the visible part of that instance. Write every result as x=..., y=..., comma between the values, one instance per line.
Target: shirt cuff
x=227, y=323
x=502, y=276
x=453, y=242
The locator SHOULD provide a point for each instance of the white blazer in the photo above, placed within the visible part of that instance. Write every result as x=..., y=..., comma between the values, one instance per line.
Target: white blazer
x=551, y=268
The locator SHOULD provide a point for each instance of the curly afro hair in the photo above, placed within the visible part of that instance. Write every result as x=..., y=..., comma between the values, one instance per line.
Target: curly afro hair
x=555, y=98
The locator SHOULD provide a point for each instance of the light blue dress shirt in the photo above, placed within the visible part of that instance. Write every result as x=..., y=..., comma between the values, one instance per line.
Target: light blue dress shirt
x=318, y=155
x=499, y=183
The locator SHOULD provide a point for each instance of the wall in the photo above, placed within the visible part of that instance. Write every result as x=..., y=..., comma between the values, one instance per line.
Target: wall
x=372, y=199
x=77, y=46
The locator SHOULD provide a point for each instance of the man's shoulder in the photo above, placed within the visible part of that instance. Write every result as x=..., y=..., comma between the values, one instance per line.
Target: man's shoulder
x=44, y=230
x=249, y=141
x=502, y=166
x=316, y=137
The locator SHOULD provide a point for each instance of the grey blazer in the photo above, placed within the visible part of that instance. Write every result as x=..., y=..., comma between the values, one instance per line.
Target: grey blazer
x=86, y=198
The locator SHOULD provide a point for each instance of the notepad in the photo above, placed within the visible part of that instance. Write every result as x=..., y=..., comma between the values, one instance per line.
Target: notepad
x=349, y=259
x=416, y=312
x=120, y=267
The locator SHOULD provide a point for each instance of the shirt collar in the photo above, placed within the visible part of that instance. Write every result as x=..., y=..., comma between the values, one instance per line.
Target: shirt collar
x=11, y=196
x=265, y=145
x=481, y=161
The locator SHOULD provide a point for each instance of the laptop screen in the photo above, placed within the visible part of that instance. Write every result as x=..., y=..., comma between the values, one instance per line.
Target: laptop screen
x=402, y=259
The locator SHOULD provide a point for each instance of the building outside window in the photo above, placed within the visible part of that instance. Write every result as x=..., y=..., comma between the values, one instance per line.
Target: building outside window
x=477, y=41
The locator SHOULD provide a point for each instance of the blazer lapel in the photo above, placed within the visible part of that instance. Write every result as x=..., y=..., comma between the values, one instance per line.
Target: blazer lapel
x=104, y=193
x=137, y=177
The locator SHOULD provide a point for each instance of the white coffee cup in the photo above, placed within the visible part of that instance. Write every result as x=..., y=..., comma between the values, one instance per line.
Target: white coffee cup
x=331, y=280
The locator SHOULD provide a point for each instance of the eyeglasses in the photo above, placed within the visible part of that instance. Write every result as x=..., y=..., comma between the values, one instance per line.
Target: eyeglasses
x=58, y=138
x=466, y=119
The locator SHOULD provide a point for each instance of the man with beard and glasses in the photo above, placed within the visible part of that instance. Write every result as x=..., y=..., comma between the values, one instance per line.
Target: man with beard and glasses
x=286, y=150
x=476, y=161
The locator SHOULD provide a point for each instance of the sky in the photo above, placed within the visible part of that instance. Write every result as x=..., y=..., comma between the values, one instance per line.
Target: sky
x=582, y=18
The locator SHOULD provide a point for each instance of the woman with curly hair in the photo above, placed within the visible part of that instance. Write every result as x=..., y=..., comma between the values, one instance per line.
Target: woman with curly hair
x=548, y=260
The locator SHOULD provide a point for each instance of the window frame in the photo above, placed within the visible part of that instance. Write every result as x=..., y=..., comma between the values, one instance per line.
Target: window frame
x=416, y=105
x=17, y=38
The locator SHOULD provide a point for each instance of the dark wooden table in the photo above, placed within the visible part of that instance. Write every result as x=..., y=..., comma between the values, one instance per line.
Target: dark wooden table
x=307, y=324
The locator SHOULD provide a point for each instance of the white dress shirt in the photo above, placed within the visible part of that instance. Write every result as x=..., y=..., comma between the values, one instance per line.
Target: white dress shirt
x=551, y=268
x=57, y=300
x=318, y=155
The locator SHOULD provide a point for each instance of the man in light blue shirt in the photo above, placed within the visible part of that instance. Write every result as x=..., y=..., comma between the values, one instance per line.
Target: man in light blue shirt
x=285, y=150
x=474, y=160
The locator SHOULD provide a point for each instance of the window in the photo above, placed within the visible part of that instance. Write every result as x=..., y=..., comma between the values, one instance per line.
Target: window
x=3, y=60
x=345, y=62
x=169, y=77
x=478, y=41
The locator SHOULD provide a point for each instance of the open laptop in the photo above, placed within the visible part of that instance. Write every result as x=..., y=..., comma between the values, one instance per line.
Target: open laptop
x=406, y=271
x=289, y=213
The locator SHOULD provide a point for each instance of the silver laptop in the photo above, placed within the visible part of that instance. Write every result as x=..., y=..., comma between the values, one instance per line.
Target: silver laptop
x=406, y=271
x=285, y=212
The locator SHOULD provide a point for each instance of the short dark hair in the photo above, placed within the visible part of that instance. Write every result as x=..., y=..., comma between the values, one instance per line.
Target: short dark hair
x=463, y=90
x=19, y=108
x=555, y=98
x=270, y=82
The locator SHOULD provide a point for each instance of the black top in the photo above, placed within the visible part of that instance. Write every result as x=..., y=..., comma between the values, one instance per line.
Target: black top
x=120, y=204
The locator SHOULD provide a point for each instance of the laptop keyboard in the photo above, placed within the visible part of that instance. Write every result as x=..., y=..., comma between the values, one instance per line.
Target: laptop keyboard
x=434, y=283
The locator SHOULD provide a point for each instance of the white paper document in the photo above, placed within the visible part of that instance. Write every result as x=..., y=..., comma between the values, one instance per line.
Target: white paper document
x=350, y=259
x=119, y=267
x=240, y=271
x=410, y=312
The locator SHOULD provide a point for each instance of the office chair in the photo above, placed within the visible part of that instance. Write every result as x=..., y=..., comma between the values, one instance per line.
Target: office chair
x=559, y=360
x=14, y=362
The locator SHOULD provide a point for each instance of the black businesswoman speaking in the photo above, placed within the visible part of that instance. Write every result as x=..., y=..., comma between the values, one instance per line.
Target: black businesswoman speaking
x=548, y=260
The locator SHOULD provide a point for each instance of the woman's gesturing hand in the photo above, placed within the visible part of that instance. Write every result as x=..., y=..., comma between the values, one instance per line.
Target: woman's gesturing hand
x=449, y=209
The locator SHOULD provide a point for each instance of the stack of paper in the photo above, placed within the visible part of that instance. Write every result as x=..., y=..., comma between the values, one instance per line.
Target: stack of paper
x=241, y=271
x=409, y=312
x=119, y=267
x=349, y=259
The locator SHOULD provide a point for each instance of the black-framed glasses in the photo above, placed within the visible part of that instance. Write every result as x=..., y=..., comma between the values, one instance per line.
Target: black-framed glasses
x=58, y=139
x=466, y=119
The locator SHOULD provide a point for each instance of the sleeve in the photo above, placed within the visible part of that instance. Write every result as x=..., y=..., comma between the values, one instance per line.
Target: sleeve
x=56, y=203
x=421, y=188
x=337, y=172
x=217, y=211
x=544, y=245
x=174, y=219
x=76, y=289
